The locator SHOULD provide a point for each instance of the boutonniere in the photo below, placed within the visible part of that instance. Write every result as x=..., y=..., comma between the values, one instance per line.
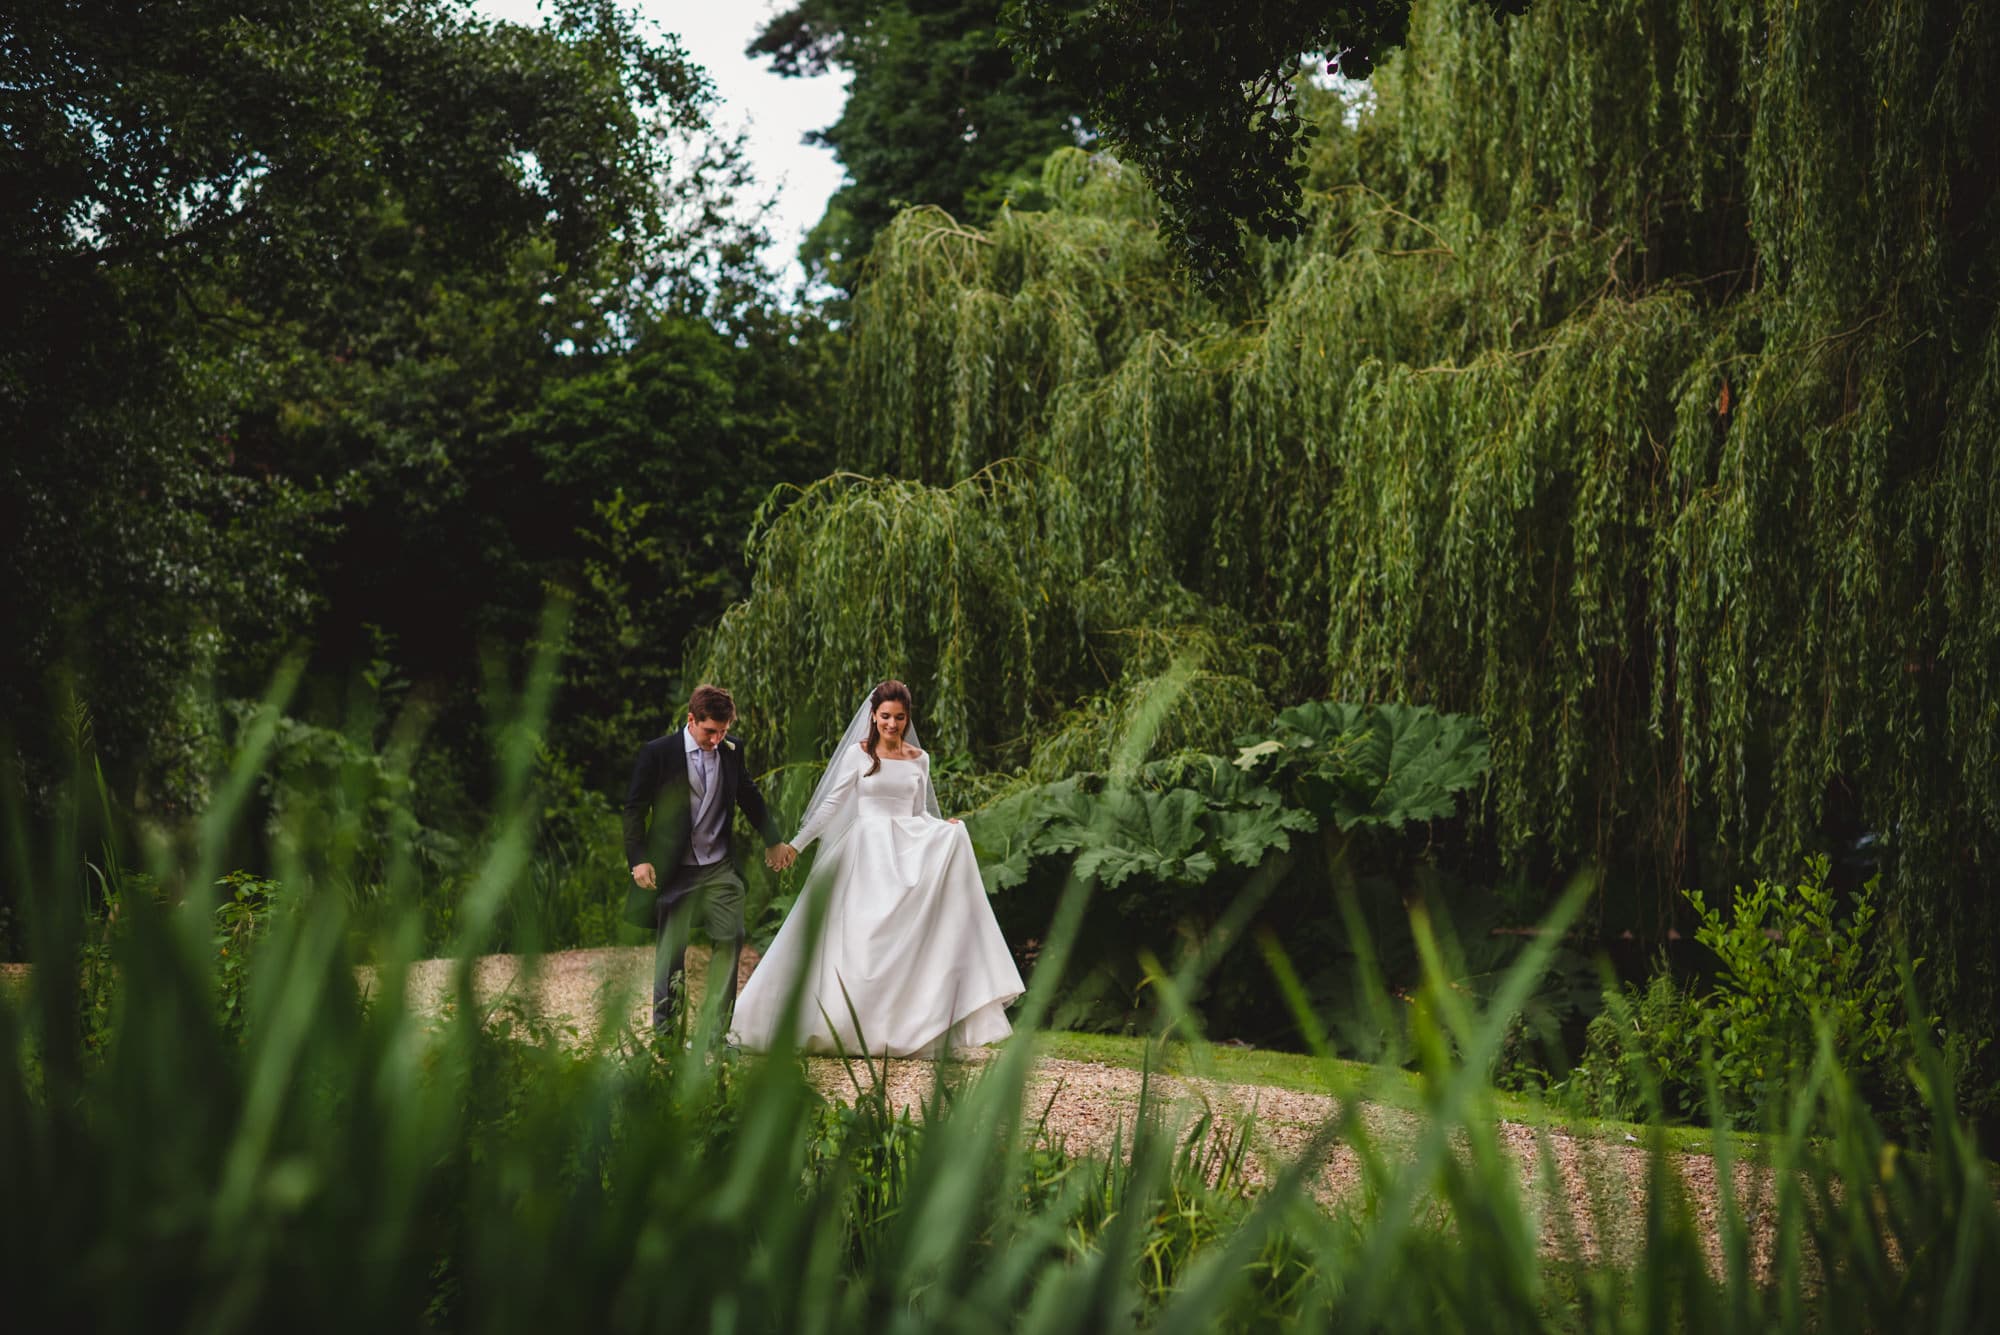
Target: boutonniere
x=729, y=742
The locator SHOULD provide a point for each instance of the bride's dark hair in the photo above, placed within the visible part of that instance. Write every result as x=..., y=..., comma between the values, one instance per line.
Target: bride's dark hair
x=888, y=690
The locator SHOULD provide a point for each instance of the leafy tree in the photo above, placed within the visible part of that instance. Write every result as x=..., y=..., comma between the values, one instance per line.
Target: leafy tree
x=650, y=466
x=485, y=456
x=938, y=112
x=279, y=273
x=1203, y=99
x=1634, y=395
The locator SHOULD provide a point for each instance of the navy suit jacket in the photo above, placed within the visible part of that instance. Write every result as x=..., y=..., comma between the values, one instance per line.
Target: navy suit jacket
x=659, y=816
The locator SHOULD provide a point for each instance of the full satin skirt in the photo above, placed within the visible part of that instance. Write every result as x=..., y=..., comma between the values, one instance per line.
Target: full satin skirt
x=909, y=961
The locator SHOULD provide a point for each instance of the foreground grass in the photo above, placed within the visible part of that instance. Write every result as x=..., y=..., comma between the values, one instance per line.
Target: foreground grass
x=219, y=1133
x=341, y=1166
x=1272, y=1069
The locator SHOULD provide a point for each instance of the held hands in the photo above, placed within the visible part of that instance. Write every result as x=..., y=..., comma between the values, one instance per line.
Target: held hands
x=642, y=876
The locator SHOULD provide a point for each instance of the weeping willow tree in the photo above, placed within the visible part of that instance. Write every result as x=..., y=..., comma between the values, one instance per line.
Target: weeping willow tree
x=860, y=579
x=976, y=593
x=1633, y=387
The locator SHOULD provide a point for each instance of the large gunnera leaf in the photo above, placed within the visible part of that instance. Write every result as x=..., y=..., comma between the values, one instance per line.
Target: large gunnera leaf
x=1140, y=833
x=1425, y=759
x=1370, y=765
x=1003, y=838
x=1245, y=836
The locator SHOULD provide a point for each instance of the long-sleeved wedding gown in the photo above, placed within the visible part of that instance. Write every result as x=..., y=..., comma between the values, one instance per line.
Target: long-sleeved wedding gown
x=909, y=961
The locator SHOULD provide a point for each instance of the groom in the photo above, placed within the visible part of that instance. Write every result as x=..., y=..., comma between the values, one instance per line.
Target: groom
x=677, y=814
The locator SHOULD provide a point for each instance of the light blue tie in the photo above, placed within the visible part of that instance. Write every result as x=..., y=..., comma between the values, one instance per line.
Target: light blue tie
x=706, y=764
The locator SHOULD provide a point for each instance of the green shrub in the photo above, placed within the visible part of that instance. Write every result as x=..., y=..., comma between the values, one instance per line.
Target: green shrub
x=1789, y=964
x=344, y=810
x=1192, y=850
x=579, y=878
x=1638, y=1049
x=242, y=922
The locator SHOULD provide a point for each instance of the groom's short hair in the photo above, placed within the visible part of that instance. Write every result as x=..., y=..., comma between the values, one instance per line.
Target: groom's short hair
x=711, y=704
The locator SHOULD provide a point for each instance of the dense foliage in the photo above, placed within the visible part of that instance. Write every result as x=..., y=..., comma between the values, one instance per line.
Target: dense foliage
x=1194, y=853
x=353, y=325
x=1631, y=388
x=1202, y=100
x=1626, y=385
x=1793, y=966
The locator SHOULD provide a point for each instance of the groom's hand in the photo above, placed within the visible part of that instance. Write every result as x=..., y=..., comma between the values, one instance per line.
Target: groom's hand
x=642, y=876
x=780, y=856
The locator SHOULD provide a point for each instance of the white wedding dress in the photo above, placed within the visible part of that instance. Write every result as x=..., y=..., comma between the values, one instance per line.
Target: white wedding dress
x=909, y=961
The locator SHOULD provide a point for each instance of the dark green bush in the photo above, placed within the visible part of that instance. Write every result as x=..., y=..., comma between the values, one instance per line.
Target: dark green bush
x=1790, y=964
x=1194, y=850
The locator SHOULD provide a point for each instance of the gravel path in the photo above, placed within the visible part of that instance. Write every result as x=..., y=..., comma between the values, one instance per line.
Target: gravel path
x=1588, y=1194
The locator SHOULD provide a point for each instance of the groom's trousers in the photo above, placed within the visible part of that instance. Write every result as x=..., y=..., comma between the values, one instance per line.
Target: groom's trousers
x=712, y=895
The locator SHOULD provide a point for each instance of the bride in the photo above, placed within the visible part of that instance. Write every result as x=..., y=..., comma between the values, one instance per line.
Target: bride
x=909, y=960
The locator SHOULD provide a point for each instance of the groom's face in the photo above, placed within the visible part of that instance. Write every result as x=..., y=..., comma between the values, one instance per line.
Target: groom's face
x=708, y=733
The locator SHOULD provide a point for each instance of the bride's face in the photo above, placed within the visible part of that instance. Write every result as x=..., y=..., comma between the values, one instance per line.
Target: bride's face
x=891, y=721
